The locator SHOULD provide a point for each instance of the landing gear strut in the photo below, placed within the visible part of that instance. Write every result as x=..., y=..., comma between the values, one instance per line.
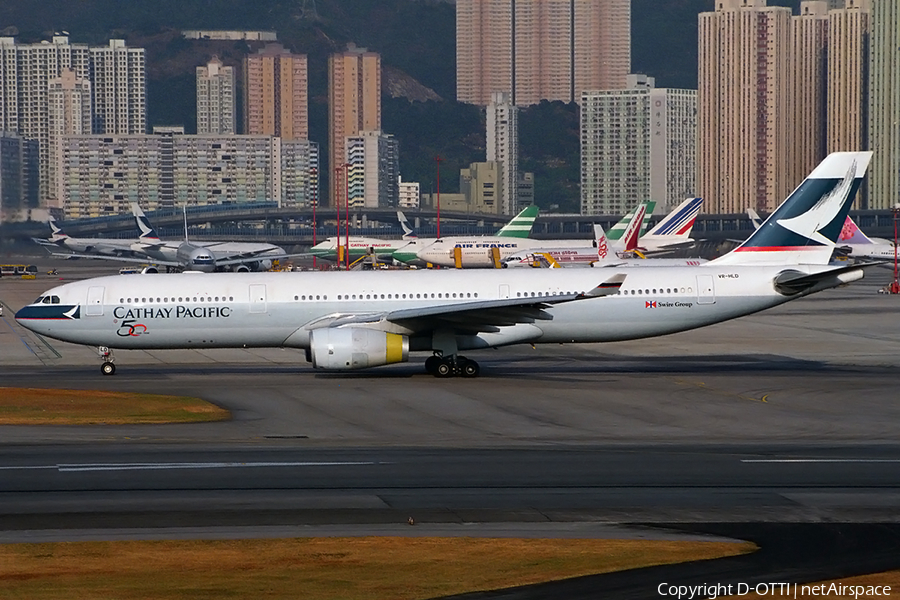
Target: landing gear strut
x=108, y=367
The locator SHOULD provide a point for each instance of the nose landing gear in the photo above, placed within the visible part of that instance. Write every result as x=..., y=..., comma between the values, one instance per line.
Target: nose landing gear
x=108, y=366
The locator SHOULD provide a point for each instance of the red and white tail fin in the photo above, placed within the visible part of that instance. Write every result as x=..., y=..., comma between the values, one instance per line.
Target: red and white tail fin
x=601, y=242
x=629, y=240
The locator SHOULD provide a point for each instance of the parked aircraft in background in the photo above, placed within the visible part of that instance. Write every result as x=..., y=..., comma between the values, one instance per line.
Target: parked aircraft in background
x=519, y=227
x=602, y=253
x=191, y=256
x=856, y=244
x=674, y=231
x=355, y=320
x=59, y=240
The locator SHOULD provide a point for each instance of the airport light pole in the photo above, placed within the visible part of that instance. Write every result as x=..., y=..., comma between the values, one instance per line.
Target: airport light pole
x=895, y=285
x=346, y=167
x=337, y=211
x=438, y=159
x=315, y=203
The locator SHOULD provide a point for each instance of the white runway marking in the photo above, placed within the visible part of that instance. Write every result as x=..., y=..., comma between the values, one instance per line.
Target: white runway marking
x=76, y=468
x=820, y=460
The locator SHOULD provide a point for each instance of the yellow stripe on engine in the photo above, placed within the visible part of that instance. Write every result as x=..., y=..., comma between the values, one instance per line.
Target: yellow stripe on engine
x=394, y=345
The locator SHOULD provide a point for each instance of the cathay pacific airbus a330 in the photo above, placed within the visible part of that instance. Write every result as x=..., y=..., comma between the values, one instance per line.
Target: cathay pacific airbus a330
x=351, y=320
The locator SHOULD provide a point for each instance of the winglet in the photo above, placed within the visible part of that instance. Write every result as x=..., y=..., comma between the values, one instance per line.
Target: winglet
x=610, y=287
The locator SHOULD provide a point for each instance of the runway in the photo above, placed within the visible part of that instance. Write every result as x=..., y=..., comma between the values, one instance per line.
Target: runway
x=787, y=416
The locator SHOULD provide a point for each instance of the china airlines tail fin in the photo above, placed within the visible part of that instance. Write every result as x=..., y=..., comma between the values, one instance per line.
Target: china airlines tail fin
x=680, y=221
x=147, y=231
x=805, y=228
x=520, y=225
x=408, y=232
x=616, y=231
x=851, y=234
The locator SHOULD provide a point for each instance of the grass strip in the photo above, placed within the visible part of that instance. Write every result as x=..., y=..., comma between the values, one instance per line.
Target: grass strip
x=31, y=406
x=321, y=568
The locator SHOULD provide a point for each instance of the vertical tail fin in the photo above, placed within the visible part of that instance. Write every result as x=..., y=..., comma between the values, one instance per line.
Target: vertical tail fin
x=56, y=232
x=680, y=221
x=755, y=219
x=408, y=232
x=806, y=227
x=147, y=231
x=615, y=232
x=629, y=240
x=851, y=234
x=520, y=226
x=601, y=242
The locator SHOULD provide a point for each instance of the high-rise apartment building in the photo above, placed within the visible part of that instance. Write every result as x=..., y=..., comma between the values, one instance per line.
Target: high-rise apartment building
x=215, y=98
x=276, y=85
x=848, y=76
x=69, y=114
x=884, y=105
x=808, y=80
x=118, y=83
x=637, y=144
x=374, y=159
x=503, y=148
x=354, y=102
x=743, y=143
x=103, y=174
x=540, y=49
x=117, y=80
x=409, y=193
x=18, y=176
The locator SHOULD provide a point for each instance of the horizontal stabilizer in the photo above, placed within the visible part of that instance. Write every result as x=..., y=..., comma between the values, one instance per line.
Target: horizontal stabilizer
x=792, y=282
x=610, y=287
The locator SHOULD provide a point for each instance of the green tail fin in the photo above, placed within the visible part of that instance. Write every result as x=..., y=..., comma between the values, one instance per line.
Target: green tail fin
x=616, y=231
x=520, y=225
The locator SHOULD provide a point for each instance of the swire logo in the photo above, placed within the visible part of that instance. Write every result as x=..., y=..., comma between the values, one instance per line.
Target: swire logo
x=650, y=304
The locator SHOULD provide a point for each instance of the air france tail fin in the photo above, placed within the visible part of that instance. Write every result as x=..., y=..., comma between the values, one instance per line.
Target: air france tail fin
x=851, y=234
x=680, y=221
x=806, y=227
x=616, y=231
x=147, y=231
x=520, y=225
x=408, y=232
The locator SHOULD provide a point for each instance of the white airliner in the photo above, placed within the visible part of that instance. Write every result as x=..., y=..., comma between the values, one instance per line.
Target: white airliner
x=352, y=320
x=674, y=231
x=59, y=240
x=193, y=256
x=602, y=253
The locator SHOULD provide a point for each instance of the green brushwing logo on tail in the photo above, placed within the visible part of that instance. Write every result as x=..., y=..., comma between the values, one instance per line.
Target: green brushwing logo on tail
x=521, y=224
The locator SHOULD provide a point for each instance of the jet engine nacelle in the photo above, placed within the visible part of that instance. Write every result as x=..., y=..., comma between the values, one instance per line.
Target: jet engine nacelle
x=241, y=269
x=356, y=348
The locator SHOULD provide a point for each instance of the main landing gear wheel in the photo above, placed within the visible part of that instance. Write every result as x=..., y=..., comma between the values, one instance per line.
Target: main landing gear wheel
x=451, y=367
x=108, y=368
x=431, y=364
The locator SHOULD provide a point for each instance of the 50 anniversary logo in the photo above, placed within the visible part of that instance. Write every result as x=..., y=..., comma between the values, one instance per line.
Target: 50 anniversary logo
x=129, y=326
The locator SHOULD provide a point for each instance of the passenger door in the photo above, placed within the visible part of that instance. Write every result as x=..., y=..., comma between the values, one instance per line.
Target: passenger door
x=94, y=306
x=257, y=298
x=706, y=292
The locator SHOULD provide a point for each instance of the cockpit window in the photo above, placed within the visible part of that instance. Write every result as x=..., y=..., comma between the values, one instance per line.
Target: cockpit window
x=39, y=300
x=46, y=300
x=54, y=299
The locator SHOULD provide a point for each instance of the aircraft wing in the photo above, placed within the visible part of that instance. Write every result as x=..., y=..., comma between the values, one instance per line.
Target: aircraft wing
x=472, y=317
x=45, y=242
x=133, y=259
x=250, y=257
